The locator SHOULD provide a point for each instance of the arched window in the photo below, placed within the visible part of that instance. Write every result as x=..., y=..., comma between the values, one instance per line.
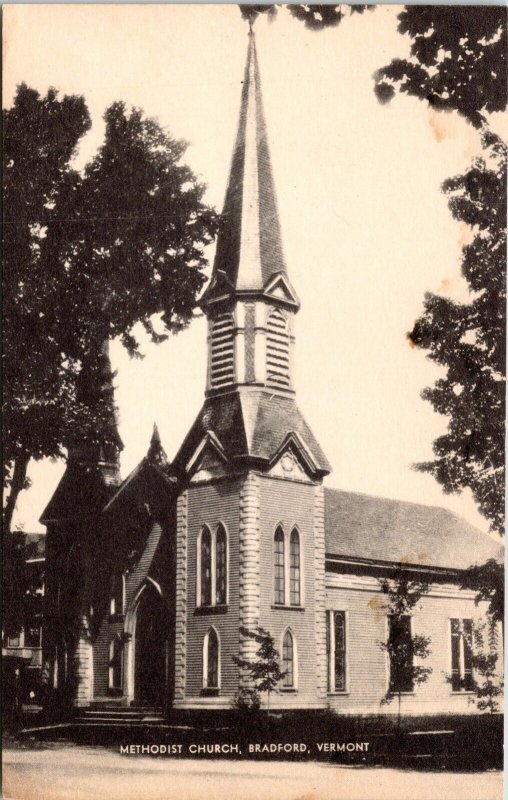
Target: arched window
x=222, y=363
x=206, y=567
x=211, y=658
x=278, y=567
x=221, y=565
x=212, y=566
x=277, y=349
x=294, y=568
x=115, y=665
x=288, y=660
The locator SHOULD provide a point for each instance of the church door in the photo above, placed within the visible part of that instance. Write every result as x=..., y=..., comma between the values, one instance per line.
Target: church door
x=151, y=650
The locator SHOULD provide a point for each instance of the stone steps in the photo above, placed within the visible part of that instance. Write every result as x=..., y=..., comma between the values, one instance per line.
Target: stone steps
x=112, y=715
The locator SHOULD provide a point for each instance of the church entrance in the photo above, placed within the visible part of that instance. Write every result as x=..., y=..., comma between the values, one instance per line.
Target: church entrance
x=151, y=650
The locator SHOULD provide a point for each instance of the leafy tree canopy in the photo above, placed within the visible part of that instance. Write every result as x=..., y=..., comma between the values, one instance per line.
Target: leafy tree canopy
x=457, y=59
x=314, y=16
x=469, y=340
x=488, y=581
x=86, y=257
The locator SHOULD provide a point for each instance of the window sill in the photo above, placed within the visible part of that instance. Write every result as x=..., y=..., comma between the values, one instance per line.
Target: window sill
x=209, y=692
x=462, y=691
x=277, y=607
x=219, y=609
x=402, y=694
x=288, y=690
x=339, y=693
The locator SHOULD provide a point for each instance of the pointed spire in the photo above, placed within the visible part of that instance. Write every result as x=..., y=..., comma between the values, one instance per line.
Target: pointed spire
x=156, y=453
x=102, y=444
x=249, y=246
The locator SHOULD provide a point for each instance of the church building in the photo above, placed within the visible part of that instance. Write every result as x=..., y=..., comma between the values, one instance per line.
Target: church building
x=150, y=579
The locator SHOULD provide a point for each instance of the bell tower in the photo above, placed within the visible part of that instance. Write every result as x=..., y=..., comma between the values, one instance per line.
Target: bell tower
x=250, y=518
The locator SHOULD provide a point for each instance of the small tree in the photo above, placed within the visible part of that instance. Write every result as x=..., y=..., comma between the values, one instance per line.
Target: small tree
x=488, y=685
x=265, y=670
x=402, y=646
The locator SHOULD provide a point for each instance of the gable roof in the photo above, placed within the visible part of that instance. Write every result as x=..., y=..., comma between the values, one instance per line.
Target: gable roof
x=374, y=528
x=146, y=472
x=81, y=492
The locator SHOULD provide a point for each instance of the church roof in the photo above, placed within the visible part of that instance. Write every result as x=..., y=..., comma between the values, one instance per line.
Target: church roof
x=253, y=425
x=147, y=472
x=81, y=492
x=360, y=526
x=249, y=246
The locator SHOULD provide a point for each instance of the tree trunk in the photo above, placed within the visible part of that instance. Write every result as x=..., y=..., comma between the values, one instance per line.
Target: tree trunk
x=17, y=484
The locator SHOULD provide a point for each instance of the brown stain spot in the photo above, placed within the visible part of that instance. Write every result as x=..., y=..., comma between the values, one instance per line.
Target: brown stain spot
x=437, y=129
x=445, y=286
x=443, y=125
x=379, y=606
x=466, y=235
x=410, y=341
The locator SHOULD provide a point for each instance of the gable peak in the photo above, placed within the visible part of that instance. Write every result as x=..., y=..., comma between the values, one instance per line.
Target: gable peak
x=156, y=453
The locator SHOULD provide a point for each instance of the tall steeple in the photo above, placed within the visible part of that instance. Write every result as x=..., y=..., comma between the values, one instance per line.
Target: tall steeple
x=250, y=414
x=249, y=248
x=250, y=303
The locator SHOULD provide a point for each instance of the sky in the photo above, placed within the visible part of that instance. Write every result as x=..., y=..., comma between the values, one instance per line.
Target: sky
x=366, y=229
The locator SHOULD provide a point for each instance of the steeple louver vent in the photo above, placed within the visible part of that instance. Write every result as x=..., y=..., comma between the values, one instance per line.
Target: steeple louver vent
x=277, y=350
x=222, y=367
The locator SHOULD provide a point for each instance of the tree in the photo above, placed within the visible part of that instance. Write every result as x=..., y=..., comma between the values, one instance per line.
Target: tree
x=265, y=669
x=457, y=60
x=488, y=685
x=402, y=645
x=469, y=341
x=314, y=16
x=487, y=580
x=40, y=138
x=86, y=257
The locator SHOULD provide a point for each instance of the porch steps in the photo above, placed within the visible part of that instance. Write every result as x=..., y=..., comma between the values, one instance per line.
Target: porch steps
x=111, y=715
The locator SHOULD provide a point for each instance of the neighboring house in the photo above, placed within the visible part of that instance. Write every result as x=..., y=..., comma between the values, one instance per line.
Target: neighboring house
x=150, y=579
x=22, y=649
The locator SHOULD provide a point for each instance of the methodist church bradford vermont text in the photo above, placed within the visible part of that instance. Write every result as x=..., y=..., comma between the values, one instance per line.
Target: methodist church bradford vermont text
x=150, y=579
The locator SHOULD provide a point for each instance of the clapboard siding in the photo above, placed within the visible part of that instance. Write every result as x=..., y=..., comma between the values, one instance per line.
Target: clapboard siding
x=367, y=664
x=209, y=504
x=108, y=630
x=290, y=504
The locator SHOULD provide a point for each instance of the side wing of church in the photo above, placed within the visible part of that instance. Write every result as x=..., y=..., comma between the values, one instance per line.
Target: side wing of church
x=151, y=579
